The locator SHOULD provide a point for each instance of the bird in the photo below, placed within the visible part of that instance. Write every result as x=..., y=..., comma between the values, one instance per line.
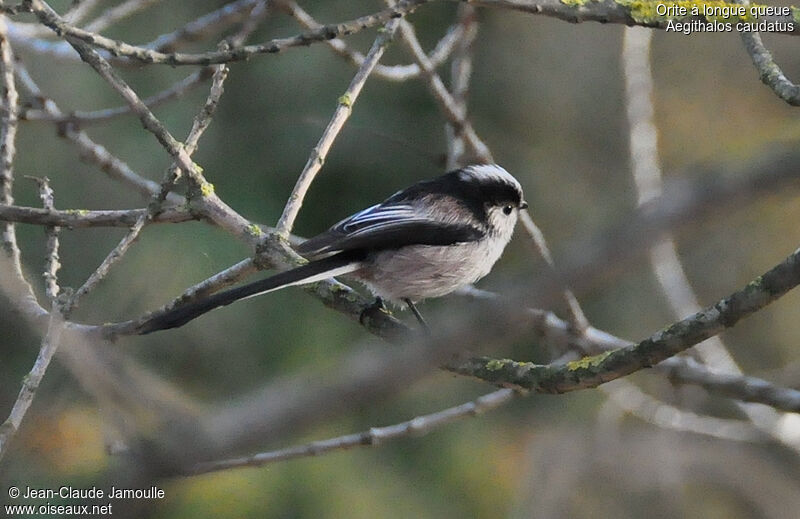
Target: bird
x=423, y=242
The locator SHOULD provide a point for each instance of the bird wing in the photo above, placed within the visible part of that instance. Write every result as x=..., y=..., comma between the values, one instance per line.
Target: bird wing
x=387, y=226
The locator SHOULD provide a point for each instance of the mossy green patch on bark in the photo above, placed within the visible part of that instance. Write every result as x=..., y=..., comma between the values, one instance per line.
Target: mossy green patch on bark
x=254, y=230
x=575, y=3
x=345, y=100
x=658, y=12
x=497, y=364
x=589, y=362
x=206, y=189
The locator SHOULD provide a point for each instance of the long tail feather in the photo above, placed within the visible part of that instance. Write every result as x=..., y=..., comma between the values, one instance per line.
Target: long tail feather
x=312, y=272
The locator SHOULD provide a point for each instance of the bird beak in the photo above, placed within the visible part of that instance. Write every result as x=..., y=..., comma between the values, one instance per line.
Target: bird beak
x=523, y=205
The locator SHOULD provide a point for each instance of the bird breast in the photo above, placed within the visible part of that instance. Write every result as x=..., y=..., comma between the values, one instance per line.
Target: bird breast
x=420, y=272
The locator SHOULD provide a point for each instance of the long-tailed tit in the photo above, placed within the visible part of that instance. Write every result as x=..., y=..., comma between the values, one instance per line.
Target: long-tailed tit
x=424, y=241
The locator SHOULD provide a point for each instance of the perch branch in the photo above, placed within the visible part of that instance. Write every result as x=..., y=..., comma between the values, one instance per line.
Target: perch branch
x=611, y=365
x=664, y=258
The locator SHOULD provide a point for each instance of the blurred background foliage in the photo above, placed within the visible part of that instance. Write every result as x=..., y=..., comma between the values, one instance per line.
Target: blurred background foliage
x=547, y=97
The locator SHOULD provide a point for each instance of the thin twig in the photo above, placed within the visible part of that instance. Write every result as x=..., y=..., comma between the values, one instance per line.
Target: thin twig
x=105, y=266
x=184, y=152
x=438, y=56
x=203, y=119
x=115, y=14
x=460, y=74
x=630, y=399
x=51, y=263
x=206, y=25
x=577, y=317
x=175, y=91
x=31, y=381
x=768, y=70
x=257, y=14
x=419, y=426
x=739, y=387
x=146, y=55
x=448, y=106
x=340, y=116
x=89, y=150
x=80, y=11
x=82, y=218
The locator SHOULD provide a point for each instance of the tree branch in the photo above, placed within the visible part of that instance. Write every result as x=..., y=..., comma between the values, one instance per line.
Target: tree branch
x=448, y=106
x=175, y=91
x=340, y=116
x=82, y=218
x=419, y=426
x=8, y=133
x=438, y=56
x=89, y=150
x=118, y=48
x=625, y=12
x=593, y=371
x=31, y=381
x=51, y=264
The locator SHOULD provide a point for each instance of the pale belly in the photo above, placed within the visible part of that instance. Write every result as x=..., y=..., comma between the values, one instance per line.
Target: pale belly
x=423, y=271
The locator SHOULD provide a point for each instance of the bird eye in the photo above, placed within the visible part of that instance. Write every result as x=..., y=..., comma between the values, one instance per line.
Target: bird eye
x=507, y=209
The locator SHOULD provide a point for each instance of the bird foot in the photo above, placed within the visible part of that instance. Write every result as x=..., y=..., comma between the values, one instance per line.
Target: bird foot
x=369, y=312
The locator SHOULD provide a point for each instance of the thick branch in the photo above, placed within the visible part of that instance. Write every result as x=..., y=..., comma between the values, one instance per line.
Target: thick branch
x=593, y=371
x=626, y=12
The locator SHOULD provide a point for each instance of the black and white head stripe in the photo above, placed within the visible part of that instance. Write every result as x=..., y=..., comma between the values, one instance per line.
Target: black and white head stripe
x=488, y=174
x=475, y=188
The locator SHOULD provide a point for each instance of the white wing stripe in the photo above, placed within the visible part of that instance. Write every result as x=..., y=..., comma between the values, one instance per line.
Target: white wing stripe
x=378, y=215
